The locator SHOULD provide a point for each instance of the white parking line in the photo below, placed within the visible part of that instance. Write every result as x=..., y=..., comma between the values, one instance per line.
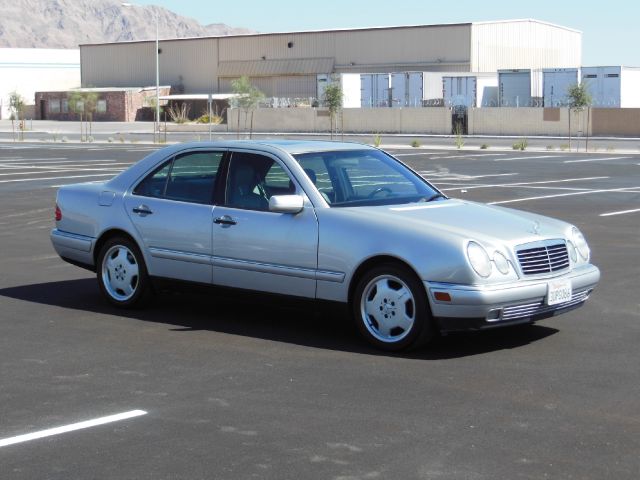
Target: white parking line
x=22, y=159
x=585, y=160
x=546, y=182
x=71, y=428
x=511, y=159
x=588, y=192
x=624, y=212
x=66, y=170
x=56, y=178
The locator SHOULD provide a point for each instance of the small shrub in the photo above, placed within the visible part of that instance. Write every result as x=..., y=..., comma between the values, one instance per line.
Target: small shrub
x=550, y=147
x=110, y=140
x=459, y=140
x=179, y=113
x=610, y=148
x=415, y=144
x=121, y=139
x=377, y=140
x=90, y=139
x=215, y=119
x=64, y=140
x=521, y=145
x=134, y=140
x=564, y=147
x=484, y=146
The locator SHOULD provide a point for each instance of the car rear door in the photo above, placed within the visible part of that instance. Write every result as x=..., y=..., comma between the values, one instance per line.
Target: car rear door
x=172, y=211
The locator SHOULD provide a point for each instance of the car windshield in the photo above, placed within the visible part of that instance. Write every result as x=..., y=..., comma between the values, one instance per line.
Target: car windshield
x=364, y=177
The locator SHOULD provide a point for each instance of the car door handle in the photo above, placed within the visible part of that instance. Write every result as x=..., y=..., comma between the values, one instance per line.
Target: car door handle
x=225, y=220
x=142, y=210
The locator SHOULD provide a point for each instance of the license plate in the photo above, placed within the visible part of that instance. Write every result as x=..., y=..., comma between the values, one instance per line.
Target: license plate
x=559, y=292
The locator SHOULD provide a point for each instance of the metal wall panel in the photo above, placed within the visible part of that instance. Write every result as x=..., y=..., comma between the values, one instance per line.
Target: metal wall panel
x=362, y=50
x=299, y=86
x=524, y=44
x=190, y=63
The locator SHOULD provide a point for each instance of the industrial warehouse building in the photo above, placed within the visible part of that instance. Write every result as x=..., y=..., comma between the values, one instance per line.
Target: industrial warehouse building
x=297, y=64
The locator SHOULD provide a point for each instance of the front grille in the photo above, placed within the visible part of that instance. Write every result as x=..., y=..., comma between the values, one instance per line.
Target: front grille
x=539, y=259
x=531, y=310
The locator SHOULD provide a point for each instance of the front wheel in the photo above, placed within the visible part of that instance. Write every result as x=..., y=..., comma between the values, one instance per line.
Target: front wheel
x=390, y=308
x=122, y=274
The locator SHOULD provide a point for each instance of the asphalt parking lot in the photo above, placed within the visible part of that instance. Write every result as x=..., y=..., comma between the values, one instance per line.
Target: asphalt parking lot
x=223, y=388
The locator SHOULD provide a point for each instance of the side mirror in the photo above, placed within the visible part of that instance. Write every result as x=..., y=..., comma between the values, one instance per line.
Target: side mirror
x=286, y=203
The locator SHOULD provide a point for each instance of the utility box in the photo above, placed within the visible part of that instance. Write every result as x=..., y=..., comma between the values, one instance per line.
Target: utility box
x=556, y=83
x=613, y=87
x=406, y=89
x=520, y=88
x=471, y=91
x=375, y=90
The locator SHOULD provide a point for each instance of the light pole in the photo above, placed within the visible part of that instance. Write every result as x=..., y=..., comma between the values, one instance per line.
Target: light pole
x=156, y=123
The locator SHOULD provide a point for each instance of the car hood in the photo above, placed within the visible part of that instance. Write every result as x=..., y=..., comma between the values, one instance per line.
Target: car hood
x=469, y=220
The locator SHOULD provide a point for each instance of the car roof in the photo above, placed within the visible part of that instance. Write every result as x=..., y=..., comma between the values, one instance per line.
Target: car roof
x=289, y=146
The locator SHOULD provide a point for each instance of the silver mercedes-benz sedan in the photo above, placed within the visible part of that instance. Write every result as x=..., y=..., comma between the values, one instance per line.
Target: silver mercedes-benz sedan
x=337, y=222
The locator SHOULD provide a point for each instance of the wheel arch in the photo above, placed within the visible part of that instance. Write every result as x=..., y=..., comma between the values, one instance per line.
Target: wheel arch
x=375, y=261
x=106, y=236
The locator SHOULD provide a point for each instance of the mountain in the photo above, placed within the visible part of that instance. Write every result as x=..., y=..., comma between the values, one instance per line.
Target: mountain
x=68, y=23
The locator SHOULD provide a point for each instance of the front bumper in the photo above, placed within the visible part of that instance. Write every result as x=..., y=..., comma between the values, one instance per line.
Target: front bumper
x=475, y=307
x=74, y=248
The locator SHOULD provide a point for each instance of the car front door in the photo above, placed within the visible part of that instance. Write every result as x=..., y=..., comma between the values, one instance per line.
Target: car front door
x=256, y=249
x=172, y=210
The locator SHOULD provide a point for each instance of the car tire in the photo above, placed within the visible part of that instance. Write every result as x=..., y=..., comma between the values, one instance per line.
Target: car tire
x=122, y=273
x=390, y=308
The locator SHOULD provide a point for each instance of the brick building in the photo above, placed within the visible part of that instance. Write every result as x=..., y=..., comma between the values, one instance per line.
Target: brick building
x=112, y=105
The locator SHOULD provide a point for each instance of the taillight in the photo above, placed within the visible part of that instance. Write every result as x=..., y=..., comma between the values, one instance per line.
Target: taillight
x=58, y=214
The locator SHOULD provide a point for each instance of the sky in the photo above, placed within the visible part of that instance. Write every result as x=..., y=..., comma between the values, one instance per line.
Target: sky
x=611, y=29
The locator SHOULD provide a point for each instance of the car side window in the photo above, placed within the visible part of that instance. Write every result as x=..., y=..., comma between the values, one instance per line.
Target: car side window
x=154, y=184
x=316, y=169
x=189, y=177
x=253, y=179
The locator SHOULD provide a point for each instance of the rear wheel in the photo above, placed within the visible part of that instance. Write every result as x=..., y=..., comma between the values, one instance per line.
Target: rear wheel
x=390, y=308
x=122, y=274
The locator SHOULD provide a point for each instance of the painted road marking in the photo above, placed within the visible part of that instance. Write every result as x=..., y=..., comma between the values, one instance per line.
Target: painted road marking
x=584, y=160
x=588, y=192
x=113, y=170
x=57, y=178
x=524, y=184
x=623, y=212
x=71, y=428
x=511, y=159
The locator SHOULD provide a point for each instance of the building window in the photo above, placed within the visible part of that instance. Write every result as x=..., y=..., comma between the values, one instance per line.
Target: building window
x=65, y=106
x=54, y=106
x=102, y=106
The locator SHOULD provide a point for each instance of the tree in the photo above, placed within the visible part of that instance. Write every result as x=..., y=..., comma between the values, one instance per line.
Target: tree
x=90, y=107
x=247, y=100
x=333, y=99
x=83, y=104
x=16, y=105
x=76, y=105
x=579, y=99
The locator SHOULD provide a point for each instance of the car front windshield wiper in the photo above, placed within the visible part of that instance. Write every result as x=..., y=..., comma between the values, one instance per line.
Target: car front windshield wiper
x=433, y=197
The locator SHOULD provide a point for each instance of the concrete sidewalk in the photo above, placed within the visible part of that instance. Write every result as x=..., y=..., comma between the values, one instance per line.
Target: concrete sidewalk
x=142, y=132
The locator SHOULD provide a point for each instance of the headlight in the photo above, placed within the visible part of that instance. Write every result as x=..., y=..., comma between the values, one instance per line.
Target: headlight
x=479, y=259
x=501, y=262
x=580, y=243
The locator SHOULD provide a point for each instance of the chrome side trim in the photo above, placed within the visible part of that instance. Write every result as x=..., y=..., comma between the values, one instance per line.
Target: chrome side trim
x=272, y=269
x=71, y=240
x=180, y=256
